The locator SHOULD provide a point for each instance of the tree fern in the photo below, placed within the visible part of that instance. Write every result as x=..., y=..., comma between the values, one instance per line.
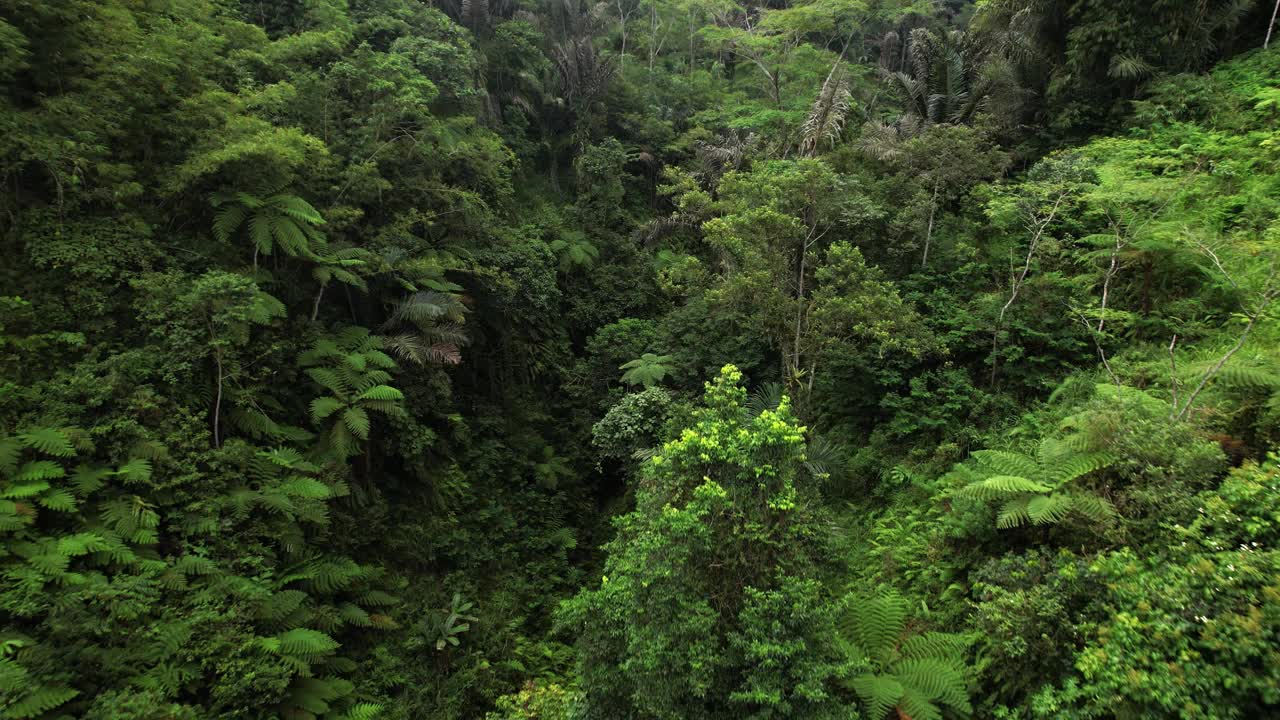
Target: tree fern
x=916, y=675
x=352, y=369
x=279, y=221
x=647, y=370
x=1040, y=490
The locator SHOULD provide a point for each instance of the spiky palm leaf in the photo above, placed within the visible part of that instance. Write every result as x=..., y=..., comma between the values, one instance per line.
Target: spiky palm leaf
x=827, y=116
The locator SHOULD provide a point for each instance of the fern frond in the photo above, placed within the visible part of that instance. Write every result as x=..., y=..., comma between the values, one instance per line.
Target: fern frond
x=26, y=490
x=10, y=451
x=58, y=500
x=1005, y=462
x=878, y=693
x=323, y=407
x=135, y=470
x=381, y=392
x=357, y=422
x=1048, y=509
x=936, y=680
x=933, y=645
x=873, y=624
x=227, y=220
x=1078, y=466
x=362, y=711
x=1001, y=485
x=329, y=380
x=1014, y=513
x=1093, y=507
x=301, y=642
x=916, y=706
x=39, y=470
x=39, y=702
x=49, y=441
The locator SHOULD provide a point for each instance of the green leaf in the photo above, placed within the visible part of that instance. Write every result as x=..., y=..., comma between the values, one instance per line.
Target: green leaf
x=381, y=392
x=136, y=470
x=999, y=485
x=323, y=407
x=49, y=441
x=39, y=470
x=878, y=693
x=58, y=500
x=357, y=421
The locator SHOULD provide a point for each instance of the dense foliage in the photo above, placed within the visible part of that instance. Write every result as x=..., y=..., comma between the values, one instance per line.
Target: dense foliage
x=650, y=359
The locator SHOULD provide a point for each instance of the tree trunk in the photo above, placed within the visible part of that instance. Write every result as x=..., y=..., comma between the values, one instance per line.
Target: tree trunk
x=315, y=307
x=928, y=235
x=217, y=402
x=1271, y=26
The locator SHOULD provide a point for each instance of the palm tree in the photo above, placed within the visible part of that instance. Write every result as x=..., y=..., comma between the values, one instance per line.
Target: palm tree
x=942, y=81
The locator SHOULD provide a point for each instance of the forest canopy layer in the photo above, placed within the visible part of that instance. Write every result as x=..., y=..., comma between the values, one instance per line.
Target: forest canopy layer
x=639, y=360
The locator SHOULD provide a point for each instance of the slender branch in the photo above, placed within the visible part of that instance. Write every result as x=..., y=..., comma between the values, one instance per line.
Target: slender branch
x=1266, y=296
x=1039, y=229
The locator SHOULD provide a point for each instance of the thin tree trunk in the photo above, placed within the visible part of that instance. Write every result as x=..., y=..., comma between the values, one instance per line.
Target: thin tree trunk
x=928, y=235
x=315, y=307
x=690, y=70
x=1271, y=26
x=795, y=348
x=217, y=403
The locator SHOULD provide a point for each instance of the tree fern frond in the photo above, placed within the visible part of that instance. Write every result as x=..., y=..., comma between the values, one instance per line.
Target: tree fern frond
x=39, y=702
x=39, y=470
x=1079, y=465
x=935, y=680
x=136, y=470
x=58, y=501
x=1093, y=507
x=357, y=421
x=330, y=380
x=362, y=711
x=227, y=220
x=1002, y=485
x=1014, y=513
x=381, y=392
x=1048, y=509
x=50, y=441
x=873, y=624
x=302, y=642
x=1007, y=463
x=296, y=208
x=262, y=233
x=878, y=693
x=916, y=706
x=933, y=645
x=10, y=451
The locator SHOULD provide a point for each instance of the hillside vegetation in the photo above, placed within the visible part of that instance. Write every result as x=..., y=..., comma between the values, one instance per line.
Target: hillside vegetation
x=641, y=360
